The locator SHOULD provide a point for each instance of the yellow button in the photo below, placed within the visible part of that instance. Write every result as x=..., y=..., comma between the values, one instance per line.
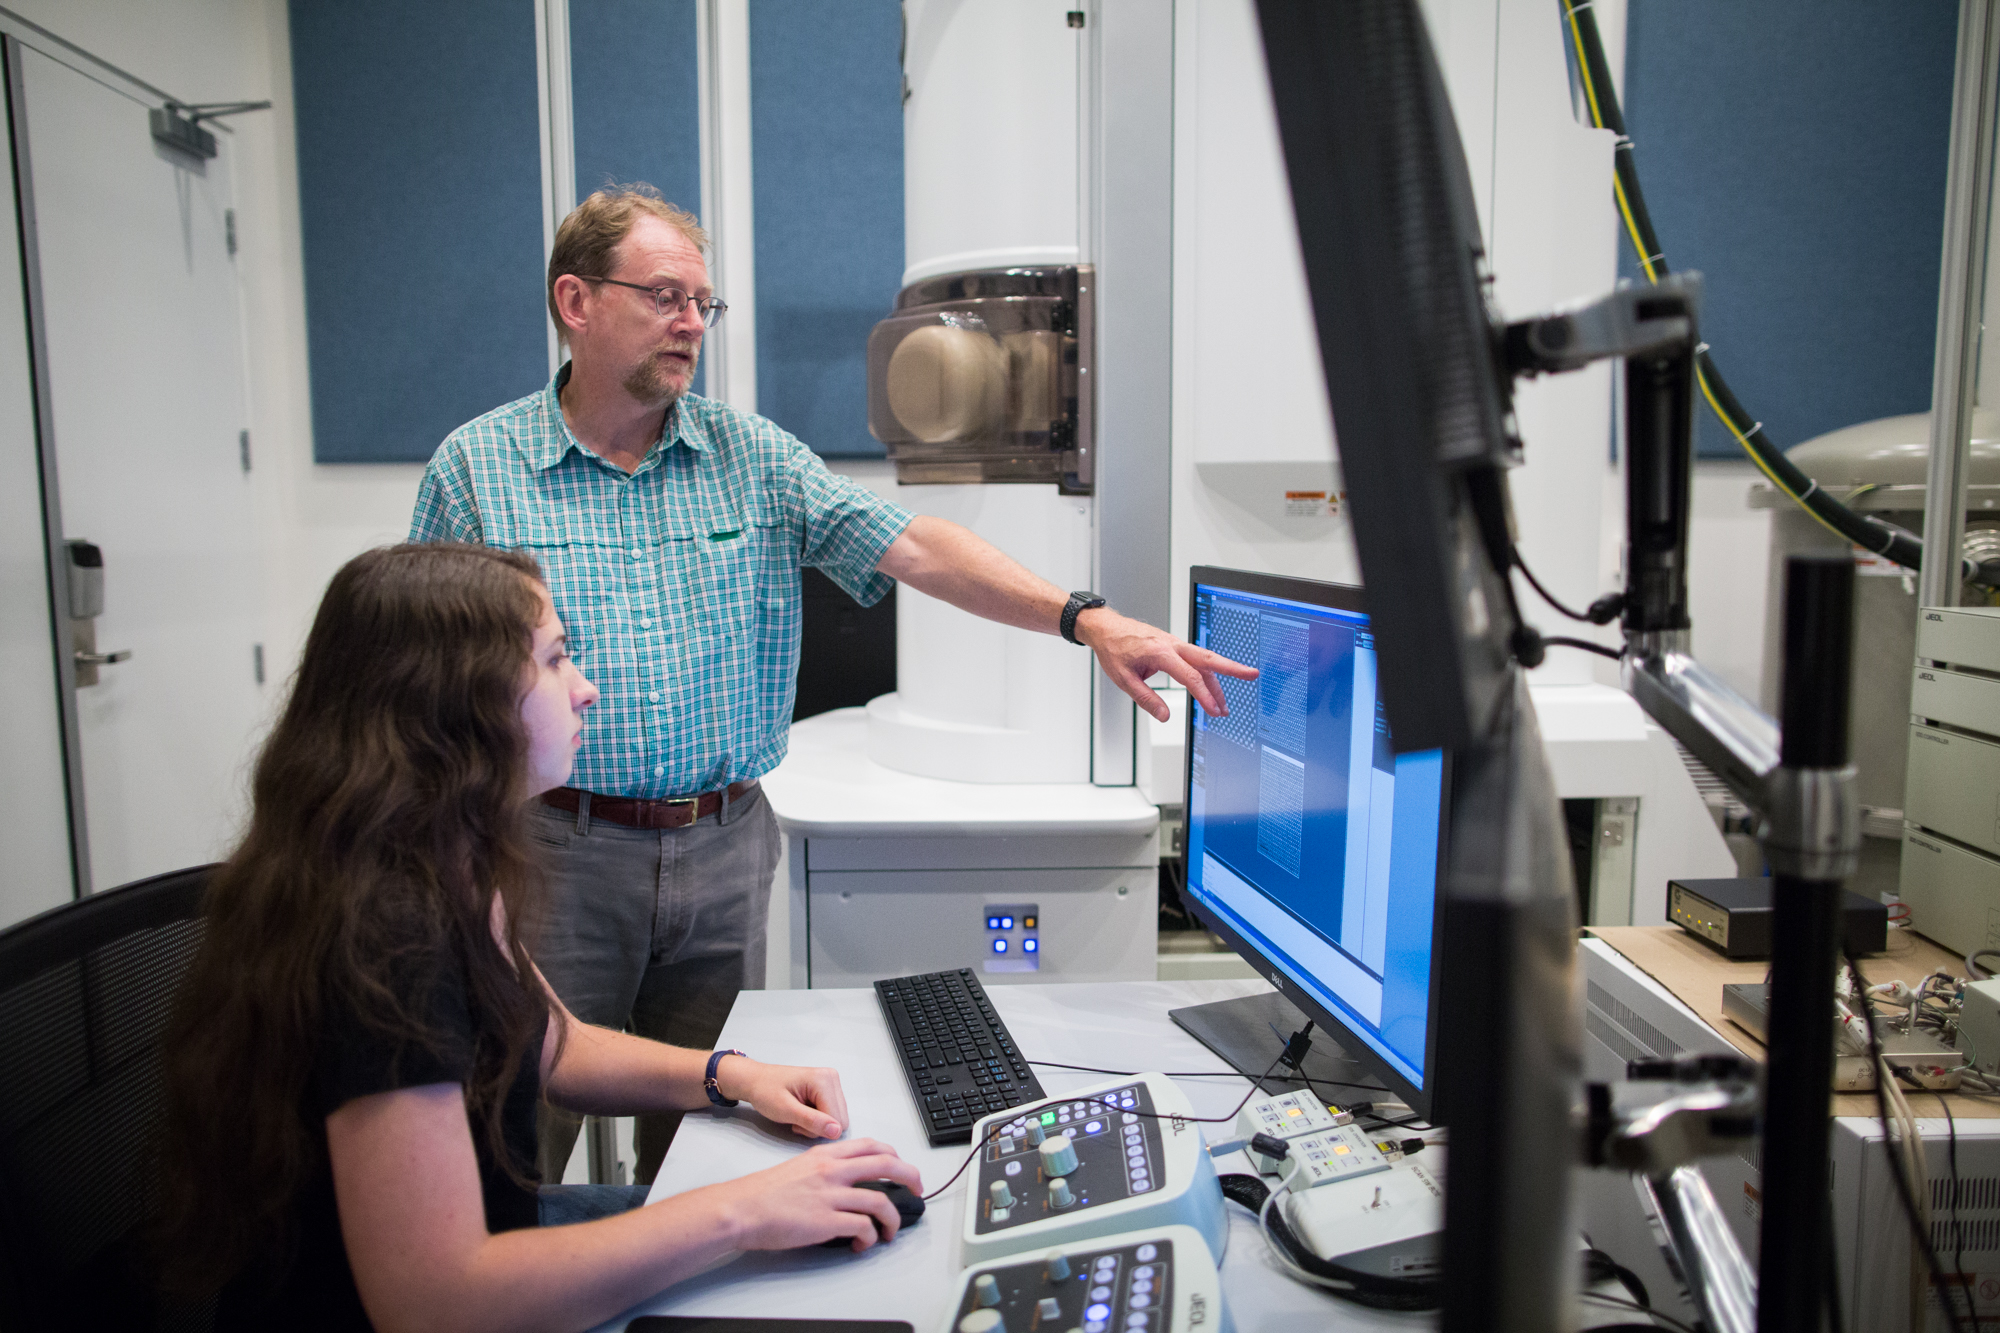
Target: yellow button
x=1293, y=1110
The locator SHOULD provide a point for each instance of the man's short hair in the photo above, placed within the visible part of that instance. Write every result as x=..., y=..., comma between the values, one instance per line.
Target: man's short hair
x=594, y=228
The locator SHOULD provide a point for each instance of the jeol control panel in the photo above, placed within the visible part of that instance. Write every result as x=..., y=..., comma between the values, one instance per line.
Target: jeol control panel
x=1160, y=1280
x=1110, y=1158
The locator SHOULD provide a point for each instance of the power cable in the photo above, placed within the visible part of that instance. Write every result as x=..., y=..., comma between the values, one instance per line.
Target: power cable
x=1919, y=1233
x=1885, y=539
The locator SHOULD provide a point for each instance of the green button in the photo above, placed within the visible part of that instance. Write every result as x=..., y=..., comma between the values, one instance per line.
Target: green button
x=1048, y=1117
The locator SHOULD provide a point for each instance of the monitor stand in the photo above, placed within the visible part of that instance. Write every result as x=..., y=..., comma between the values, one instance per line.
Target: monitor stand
x=1249, y=1033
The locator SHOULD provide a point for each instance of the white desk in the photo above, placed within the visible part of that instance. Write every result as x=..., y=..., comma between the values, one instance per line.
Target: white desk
x=1113, y=1025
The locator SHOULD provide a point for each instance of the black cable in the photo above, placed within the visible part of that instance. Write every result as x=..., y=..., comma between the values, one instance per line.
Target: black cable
x=1650, y=1313
x=1885, y=539
x=1957, y=1223
x=1546, y=595
x=1918, y=1232
x=1601, y=1267
x=1556, y=641
x=1231, y=1072
x=1370, y=1289
x=1602, y=611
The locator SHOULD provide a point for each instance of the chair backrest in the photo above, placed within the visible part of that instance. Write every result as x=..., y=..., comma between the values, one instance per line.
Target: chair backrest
x=85, y=993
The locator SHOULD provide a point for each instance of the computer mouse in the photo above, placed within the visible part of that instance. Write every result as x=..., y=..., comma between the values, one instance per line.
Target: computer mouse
x=909, y=1207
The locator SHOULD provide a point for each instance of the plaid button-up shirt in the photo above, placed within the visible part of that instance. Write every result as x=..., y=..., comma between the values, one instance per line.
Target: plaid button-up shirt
x=678, y=583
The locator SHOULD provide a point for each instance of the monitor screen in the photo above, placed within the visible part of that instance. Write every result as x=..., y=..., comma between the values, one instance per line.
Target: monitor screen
x=1312, y=847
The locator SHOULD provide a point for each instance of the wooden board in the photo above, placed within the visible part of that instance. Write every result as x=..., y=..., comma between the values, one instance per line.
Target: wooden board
x=1696, y=974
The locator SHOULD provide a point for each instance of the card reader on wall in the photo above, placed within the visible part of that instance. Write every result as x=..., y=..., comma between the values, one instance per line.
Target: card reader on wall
x=1115, y=1157
x=1734, y=916
x=1155, y=1281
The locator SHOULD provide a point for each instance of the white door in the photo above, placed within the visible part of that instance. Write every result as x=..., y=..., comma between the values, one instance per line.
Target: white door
x=145, y=364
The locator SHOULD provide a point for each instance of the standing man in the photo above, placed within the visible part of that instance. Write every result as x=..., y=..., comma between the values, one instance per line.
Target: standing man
x=672, y=528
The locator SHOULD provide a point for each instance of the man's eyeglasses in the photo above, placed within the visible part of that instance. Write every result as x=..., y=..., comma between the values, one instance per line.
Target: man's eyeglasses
x=670, y=301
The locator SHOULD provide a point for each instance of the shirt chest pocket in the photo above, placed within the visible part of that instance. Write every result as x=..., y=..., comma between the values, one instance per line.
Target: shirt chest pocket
x=728, y=571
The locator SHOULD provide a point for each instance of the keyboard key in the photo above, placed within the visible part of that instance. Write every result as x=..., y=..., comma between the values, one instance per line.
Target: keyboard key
x=960, y=1061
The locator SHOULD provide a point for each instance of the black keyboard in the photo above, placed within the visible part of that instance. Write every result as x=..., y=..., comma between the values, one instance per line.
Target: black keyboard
x=958, y=1056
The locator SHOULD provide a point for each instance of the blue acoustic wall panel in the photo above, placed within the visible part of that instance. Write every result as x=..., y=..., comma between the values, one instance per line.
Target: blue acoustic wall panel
x=827, y=135
x=1795, y=155
x=421, y=202
x=635, y=100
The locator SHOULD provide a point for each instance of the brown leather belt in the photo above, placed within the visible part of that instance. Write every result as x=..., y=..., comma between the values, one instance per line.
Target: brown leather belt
x=674, y=812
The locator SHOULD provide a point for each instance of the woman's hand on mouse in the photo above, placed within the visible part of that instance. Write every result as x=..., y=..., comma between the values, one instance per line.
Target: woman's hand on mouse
x=807, y=1099
x=816, y=1197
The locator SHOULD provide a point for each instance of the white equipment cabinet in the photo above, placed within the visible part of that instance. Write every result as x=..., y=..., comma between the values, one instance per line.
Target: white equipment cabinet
x=1628, y=1015
x=887, y=873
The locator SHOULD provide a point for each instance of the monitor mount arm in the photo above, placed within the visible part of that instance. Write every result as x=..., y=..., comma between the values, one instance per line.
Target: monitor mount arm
x=1792, y=772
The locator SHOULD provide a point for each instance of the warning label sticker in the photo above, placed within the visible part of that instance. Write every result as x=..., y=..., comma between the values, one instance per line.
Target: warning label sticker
x=1313, y=504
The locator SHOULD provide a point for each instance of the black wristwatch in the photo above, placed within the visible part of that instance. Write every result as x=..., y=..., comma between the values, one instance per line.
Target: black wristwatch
x=709, y=1084
x=1078, y=603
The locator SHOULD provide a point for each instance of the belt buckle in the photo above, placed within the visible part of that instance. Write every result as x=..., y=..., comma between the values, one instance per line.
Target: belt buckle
x=674, y=804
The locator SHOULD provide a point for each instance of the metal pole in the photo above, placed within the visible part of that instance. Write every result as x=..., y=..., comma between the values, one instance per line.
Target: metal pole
x=1812, y=838
x=1961, y=296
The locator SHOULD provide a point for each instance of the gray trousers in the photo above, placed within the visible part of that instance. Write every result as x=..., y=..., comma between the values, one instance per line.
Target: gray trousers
x=652, y=931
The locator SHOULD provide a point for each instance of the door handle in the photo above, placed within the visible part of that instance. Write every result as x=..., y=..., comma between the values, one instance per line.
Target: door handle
x=102, y=659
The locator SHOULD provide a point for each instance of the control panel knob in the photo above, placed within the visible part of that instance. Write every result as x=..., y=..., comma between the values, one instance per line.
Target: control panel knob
x=1059, y=1193
x=1034, y=1133
x=1002, y=1196
x=1058, y=1266
x=1058, y=1156
x=1048, y=1308
x=982, y=1321
x=986, y=1290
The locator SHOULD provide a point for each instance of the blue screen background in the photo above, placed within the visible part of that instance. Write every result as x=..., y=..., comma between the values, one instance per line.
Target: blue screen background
x=1309, y=698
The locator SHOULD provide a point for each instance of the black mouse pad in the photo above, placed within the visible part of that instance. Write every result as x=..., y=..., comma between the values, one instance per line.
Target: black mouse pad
x=673, y=1323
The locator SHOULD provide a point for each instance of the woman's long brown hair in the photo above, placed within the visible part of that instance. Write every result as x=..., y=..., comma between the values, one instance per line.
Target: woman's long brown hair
x=386, y=815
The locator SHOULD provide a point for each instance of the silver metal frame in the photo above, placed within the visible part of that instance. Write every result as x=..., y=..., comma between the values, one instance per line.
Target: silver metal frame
x=55, y=554
x=1961, y=296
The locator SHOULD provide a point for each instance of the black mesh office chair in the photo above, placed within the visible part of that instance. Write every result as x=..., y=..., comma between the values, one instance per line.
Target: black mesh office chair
x=85, y=991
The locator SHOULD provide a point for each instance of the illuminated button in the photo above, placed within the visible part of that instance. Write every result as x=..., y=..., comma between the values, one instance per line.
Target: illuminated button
x=1012, y=1168
x=1138, y=1320
x=1006, y=923
x=1141, y=1287
x=1143, y=1273
x=1028, y=945
x=993, y=923
x=1093, y=1127
x=1131, y=1119
x=1140, y=1186
x=1027, y=923
x=1100, y=1293
x=1106, y=1261
x=999, y=946
x=1147, y=1253
x=1141, y=1302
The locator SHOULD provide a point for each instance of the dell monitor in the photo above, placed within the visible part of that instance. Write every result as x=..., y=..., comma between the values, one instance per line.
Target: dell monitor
x=1313, y=848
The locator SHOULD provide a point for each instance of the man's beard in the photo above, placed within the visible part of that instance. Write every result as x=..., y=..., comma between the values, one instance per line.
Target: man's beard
x=649, y=382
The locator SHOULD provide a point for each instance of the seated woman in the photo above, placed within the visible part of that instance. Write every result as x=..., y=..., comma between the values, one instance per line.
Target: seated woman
x=356, y=1058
